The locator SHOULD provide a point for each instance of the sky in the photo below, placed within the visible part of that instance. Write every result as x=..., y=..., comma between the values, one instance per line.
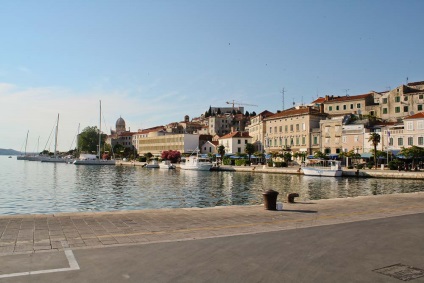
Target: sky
x=153, y=62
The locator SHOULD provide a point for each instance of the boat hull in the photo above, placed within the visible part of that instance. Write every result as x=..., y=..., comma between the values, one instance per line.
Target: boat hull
x=94, y=162
x=202, y=167
x=322, y=172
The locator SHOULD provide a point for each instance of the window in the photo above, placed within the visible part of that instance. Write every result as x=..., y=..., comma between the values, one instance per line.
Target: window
x=275, y=129
x=400, y=141
x=421, y=96
x=351, y=106
x=405, y=98
x=239, y=150
x=239, y=141
x=385, y=100
x=358, y=105
x=327, y=129
x=270, y=130
x=420, y=107
x=420, y=140
x=245, y=141
x=286, y=128
x=337, y=107
x=420, y=125
x=391, y=141
x=297, y=127
x=303, y=127
x=384, y=110
x=330, y=108
x=397, y=109
x=315, y=140
x=410, y=125
x=405, y=108
x=291, y=128
x=270, y=142
x=356, y=138
x=410, y=140
x=344, y=107
x=327, y=140
x=297, y=141
x=397, y=99
x=344, y=139
x=281, y=129
x=303, y=140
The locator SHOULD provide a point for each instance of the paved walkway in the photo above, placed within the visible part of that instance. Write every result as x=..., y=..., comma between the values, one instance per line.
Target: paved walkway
x=36, y=233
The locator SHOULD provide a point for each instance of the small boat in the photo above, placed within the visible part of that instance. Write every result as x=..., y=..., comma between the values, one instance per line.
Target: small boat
x=322, y=168
x=152, y=164
x=10, y=157
x=196, y=162
x=166, y=164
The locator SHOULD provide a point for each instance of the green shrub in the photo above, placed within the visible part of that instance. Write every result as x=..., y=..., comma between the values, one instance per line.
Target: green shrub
x=394, y=164
x=240, y=162
x=370, y=165
x=226, y=161
x=142, y=159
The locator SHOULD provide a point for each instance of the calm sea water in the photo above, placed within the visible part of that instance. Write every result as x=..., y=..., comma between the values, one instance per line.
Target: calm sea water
x=33, y=187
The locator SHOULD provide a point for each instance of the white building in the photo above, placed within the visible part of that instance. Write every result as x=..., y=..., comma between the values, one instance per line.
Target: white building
x=235, y=142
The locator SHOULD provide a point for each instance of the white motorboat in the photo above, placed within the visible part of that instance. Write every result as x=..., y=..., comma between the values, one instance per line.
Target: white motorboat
x=323, y=168
x=166, y=164
x=195, y=162
x=152, y=164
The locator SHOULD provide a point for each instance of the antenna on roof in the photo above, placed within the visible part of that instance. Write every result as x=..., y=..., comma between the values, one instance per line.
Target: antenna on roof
x=283, y=91
x=406, y=80
x=346, y=90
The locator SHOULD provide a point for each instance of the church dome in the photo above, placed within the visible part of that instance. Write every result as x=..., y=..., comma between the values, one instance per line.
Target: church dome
x=120, y=123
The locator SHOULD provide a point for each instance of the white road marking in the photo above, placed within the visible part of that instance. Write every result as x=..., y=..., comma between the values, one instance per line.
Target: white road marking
x=73, y=265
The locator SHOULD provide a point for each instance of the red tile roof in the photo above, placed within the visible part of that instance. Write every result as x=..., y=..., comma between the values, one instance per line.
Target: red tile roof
x=318, y=100
x=347, y=98
x=419, y=115
x=236, y=135
x=295, y=112
x=154, y=129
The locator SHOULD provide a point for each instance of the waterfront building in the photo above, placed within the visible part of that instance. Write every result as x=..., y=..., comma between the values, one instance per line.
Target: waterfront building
x=120, y=135
x=257, y=129
x=209, y=147
x=406, y=134
x=341, y=105
x=235, y=142
x=293, y=129
x=158, y=141
x=220, y=124
x=405, y=100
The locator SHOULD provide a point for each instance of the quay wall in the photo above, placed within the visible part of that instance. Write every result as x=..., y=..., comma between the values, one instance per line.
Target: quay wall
x=363, y=173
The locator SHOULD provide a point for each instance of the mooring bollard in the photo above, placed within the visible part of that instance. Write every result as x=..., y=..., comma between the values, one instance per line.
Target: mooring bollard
x=290, y=197
x=270, y=200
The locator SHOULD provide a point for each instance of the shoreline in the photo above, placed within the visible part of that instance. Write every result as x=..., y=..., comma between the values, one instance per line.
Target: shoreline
x=355, y=173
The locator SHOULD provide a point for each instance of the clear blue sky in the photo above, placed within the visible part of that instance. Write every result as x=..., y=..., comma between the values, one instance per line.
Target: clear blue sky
x=152, y=62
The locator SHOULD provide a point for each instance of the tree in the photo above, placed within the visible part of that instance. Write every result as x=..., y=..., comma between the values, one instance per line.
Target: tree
x=210, y=111
x=172, y=155
x=148, y=156
x=253, y=114
x=249, y=149
x=413, y=152
x=88, y=140
x=247, y=114
x=320, y=155
x=221, y=151
x=219, y=111
x=375, y=140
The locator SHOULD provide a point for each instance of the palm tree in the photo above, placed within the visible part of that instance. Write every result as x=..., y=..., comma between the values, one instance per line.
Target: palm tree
x=375, y=140
x=221, y=151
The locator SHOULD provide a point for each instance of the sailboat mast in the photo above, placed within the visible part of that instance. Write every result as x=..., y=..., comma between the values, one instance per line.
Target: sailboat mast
x=100, y=128
x=26, y=142
x=55, y=136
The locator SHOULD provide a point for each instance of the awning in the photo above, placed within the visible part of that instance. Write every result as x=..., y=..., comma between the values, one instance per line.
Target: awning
x=366, y=155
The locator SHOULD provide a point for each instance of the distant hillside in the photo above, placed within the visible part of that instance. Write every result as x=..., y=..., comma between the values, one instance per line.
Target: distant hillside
x=9, y=152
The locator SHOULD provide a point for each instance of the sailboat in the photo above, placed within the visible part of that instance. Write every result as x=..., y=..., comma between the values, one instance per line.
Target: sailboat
x=90, y=159
x=55, y=158
x=24, y=156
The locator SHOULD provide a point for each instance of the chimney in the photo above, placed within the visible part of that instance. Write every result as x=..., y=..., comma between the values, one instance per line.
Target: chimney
x=327, y=98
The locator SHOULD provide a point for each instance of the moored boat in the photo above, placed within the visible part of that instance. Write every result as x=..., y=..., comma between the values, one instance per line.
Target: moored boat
x=166, y=164
x=323, y=168
x=196, y=162
x=152, y=164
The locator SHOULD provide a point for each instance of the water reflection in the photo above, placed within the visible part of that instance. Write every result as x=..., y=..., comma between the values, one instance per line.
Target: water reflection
x=34, y=187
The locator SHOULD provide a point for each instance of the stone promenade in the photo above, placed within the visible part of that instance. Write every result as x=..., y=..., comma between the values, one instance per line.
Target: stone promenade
x=36, y=233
